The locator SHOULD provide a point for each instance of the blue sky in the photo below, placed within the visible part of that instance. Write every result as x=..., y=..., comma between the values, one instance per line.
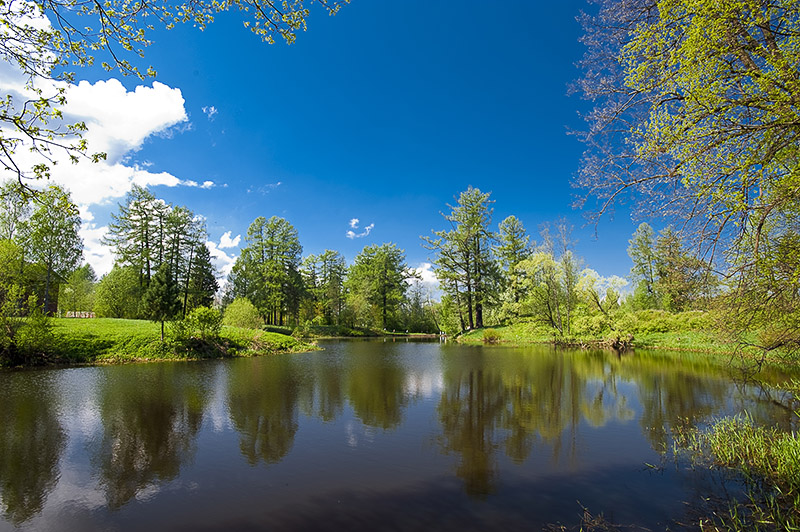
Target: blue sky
x=383, y=113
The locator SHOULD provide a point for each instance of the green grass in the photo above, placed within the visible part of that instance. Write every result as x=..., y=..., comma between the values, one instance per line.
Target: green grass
x=102, y=340
x=517, y=334
x=524, y=333
x=700, y=341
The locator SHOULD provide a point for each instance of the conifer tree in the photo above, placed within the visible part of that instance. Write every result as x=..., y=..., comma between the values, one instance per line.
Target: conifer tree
x=160, y=301
x=202, y=283
x=464, y=262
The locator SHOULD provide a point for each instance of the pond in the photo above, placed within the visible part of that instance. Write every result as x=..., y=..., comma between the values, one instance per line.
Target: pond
x=363, y=435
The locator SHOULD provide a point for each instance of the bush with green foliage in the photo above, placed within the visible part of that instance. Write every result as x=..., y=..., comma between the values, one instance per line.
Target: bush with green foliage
x=661, y=321
x=242, y=313
x=490, y=336
x=118, y=294
x=595, y=325
x=202, y=323
x=304, y=330
x=25, y=332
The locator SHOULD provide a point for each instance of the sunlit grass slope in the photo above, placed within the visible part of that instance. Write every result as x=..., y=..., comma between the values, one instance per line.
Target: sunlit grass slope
x=117, y=340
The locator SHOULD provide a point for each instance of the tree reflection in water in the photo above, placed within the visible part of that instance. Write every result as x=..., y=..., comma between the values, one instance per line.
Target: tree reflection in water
x=376, y=385
x=151, y=415
x=493, y=399
x=31, y=443
x=262, y=399
x=324, y=397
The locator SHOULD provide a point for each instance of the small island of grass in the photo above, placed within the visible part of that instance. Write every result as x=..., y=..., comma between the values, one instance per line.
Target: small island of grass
x=109, y=341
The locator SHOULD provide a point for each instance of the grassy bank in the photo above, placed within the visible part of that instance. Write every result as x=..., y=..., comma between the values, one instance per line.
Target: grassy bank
x=523, y=333
x=103, y=340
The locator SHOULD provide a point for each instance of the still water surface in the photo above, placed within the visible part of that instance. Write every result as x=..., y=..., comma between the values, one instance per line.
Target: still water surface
x=364, y=435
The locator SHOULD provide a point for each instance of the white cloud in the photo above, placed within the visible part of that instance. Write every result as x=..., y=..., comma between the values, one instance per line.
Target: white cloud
x=210, y=111
x=427, y=281
x=354, y=224
x=94, y=252
x=425, y=271
x=188, y=183
x=220, y=259
x=226, y=242
x=264, y=189
x=118, y=123
x=119, y=120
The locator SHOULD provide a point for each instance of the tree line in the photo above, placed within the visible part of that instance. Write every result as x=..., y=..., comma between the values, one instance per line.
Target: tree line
x=160, y=249
x=163, y=271
x=154, y=241
x=377, y=291
x=492, y=277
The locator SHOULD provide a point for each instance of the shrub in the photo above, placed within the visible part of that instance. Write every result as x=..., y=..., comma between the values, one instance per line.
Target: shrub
x=242, y=313
x=204, y=322
x=490, y=336
x=596, y=325
x=694, y=320
x=25, y=333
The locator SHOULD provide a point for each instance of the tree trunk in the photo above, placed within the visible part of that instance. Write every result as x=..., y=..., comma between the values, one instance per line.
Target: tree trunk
x=188, y=280
x=478, y=287
x=47, y=289
x=469, y=287
x=458, y=306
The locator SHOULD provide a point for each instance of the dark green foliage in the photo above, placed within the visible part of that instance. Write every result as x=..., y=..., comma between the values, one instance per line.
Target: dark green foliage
x=160, y=301
x=642, y=252
x=323, y=278
x=683, y=280
x=665, y=275
x=134, y=233
x=53, y=236
x=267, y=271
x=513, y=246
x=39, y=245
x=202, y=323
x=202, y=285
x=148, y=232
x=417, y=310
x=490, y=336
x=25, y=332
x=377, y=285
